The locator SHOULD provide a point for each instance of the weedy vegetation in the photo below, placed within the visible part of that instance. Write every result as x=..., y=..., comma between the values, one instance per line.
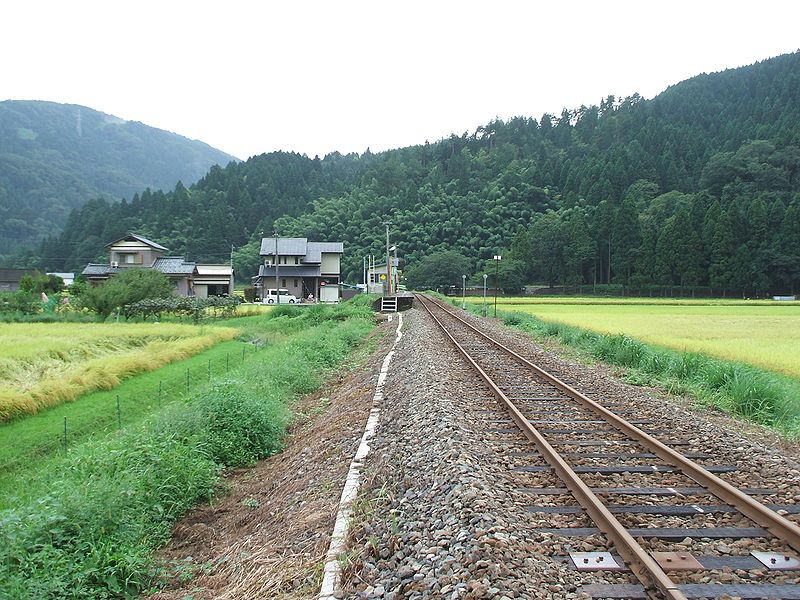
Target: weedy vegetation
x=111, y=502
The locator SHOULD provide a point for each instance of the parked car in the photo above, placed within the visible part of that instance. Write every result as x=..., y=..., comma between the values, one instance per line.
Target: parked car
x=280, y=296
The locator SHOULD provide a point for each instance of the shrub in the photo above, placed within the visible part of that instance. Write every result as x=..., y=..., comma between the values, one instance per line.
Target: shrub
x=20, y=302
x=128, y=287
x=240, y=426
x=36, y=283
x=196, y=308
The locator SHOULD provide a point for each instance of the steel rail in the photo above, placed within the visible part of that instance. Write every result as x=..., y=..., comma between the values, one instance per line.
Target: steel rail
x=646, y=569
x=776, y=524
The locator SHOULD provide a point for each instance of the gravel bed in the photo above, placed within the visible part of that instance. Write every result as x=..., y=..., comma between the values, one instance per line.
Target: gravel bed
x=442, y=514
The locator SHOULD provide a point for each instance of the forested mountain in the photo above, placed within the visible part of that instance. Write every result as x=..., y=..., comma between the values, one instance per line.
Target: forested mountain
x=698, y=186
x=56, y=157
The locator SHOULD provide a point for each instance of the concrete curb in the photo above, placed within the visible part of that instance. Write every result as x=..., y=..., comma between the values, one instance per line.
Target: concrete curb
x=332, y=571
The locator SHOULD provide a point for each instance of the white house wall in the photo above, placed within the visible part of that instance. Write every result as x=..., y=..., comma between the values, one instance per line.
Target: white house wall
x=330, y=264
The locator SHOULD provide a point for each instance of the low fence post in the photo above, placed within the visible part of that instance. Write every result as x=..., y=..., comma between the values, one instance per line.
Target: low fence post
x=187, y=379
x=160, y=388
x=119, y=414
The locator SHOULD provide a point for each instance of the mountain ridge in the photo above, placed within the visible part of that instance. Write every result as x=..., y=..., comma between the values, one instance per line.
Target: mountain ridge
x=56, y=157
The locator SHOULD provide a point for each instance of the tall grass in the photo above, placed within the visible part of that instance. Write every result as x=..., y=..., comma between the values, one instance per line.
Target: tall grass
x=113, y=501
x=43, y=366
x=743, y=390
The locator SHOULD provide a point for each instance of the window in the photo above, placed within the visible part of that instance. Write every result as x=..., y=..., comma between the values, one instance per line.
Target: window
x=283, y=282
x=296, y=261
x=295, y=283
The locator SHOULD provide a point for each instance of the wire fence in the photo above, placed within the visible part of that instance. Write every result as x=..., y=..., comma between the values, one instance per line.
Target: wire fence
x=168, y=390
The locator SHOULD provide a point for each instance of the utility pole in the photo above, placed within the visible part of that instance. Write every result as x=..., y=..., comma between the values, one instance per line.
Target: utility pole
x=388, y=262
x=233, y=275
x=277, y=281
x=364, y=273
x=463, y=292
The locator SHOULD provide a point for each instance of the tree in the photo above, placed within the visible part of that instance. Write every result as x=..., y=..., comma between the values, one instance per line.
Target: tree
x=510, y=275
x=440, y=269
x=36, y=283
x=129, y=286
x=721, y=246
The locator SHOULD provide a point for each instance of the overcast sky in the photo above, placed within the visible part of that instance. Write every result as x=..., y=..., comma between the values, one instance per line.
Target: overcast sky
x=313, y=77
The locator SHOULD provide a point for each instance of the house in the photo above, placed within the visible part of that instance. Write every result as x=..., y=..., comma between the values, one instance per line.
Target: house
x=304, y=268
x=10, y=278
x=189, y=278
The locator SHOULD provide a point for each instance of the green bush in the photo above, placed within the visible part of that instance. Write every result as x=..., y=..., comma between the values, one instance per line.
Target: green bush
x=240, y=427
x=20, y=302
x=128, y=287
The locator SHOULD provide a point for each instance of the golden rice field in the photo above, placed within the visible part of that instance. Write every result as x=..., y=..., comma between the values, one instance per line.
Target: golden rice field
x=45, y=364
x=761, y=333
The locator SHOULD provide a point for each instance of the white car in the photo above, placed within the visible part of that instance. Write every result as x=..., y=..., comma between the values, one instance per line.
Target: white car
x=281, y=296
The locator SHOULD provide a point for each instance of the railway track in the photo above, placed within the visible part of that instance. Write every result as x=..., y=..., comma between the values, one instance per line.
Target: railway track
x=638, y=484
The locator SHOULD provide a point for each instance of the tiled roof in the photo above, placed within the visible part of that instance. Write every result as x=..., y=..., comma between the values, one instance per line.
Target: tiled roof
x=289, y=271
x=95, y=269
x=174, y=265
x=140, y=238
x=315, y=250
x=14, y=275
x=286, y=246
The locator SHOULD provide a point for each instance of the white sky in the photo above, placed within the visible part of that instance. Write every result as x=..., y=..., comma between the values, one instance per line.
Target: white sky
x=255, y=76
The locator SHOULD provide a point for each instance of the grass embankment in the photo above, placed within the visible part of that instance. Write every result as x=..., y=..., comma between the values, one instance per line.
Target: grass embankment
x=740, y=389
x=764, y=335
x=43, y=365
x=112, y=501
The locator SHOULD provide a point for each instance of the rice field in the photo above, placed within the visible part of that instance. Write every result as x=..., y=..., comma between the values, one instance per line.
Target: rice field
x=45, y=364
x=764, y=334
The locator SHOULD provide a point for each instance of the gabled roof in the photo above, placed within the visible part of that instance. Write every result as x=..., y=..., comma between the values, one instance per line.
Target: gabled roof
x=139, y=238
x=286, y=246
x=174, y=265
x=315, y=250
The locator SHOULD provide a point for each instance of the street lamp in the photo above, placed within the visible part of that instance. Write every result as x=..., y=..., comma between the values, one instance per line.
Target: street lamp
x=463, y=292
x=496, y=258
x=388, y=262
x=485, y=277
